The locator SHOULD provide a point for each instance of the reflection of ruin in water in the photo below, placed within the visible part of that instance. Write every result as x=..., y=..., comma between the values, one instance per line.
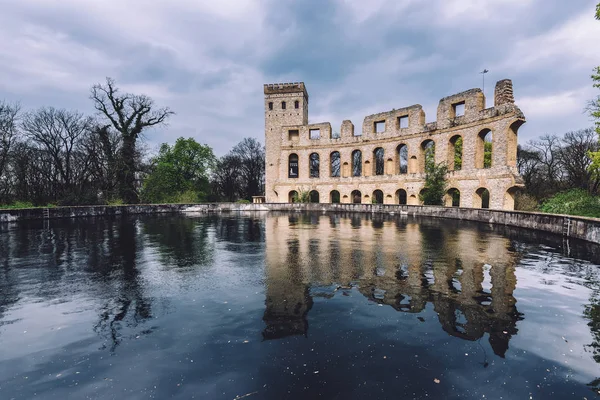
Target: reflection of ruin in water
x=467, y=277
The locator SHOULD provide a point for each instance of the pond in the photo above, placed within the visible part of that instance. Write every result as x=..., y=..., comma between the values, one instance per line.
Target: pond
x=295, y=306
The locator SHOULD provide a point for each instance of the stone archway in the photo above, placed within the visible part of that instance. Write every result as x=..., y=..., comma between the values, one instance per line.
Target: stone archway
x=293, y=197
x=452, y=198
x=481, y=198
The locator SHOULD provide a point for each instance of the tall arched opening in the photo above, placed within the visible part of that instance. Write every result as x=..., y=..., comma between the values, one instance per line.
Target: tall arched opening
x=484, y=149
x=402, y=166
x=335, y=166
x=356, y=197
x=379, y=161
x=356, y=163
x=511, y=143
x=293, y=166
x=427, y=155
x=314, y=165
x=455, y=153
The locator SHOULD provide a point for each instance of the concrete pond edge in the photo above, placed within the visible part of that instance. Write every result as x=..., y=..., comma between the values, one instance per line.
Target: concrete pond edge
x=569, y=226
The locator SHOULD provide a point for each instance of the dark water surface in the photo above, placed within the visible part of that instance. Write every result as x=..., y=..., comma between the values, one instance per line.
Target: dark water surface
x=295, y=307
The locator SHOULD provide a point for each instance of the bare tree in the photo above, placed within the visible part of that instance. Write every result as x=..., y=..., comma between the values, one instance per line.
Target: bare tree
x=9, y=114
x=226, y=178
x=251, y=156
x=59, y=133
x=574, y=155
x=129, y=114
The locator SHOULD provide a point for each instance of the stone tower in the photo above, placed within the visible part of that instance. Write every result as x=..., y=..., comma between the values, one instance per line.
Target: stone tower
x=286, y=104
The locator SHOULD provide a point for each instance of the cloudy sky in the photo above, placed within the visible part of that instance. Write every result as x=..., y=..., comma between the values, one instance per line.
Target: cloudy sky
x=208, y=59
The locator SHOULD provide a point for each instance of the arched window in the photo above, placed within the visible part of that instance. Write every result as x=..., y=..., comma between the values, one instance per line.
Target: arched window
x=483, y=151
x=293, y=166
x=283, y=105
x=378, y=196
x=402, y=158
x=335, y=159
x=334, y=197
x=481, y=198
x=401, y=196
x=356, y=197
x=296, y=104
x=379, y=165
x=314, y=165
x=453, y=198
x=314, y=196
x=427, y=155
x=455, y=153
x=270, y=105
x=356, y=163
x=293, y=197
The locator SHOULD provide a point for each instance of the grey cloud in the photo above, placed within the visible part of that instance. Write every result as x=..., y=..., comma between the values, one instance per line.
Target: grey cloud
x=208, y=60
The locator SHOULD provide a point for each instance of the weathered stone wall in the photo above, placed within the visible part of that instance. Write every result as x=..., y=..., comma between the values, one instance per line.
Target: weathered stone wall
x=568, y=226
x=287, y=133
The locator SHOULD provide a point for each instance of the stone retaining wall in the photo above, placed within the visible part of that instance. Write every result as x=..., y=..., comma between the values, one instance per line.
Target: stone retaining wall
x=569, y=226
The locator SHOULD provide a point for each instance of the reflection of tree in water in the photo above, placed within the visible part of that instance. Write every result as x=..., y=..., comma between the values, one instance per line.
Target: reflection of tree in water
x=94, y=258
x=117, y=267
x=237, y=230
x=180, y=241
x=9, y=294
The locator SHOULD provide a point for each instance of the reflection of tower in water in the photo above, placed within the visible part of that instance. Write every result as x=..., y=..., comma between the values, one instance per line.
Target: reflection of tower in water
x=287, y=295
x=393, y=262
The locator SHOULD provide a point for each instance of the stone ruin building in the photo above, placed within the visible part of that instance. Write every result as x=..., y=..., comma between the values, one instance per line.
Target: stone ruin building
x=384, y=162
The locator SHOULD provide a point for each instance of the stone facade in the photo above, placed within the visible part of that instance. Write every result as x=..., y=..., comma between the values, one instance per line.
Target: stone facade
x=299, y=155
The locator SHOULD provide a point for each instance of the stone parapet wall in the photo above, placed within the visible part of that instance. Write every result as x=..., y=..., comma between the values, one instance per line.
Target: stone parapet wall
x=587, y=229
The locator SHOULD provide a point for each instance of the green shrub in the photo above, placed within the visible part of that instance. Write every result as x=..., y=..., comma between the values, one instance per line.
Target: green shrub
x=187, y=197
x=17, y=205
x=115, y=202
x=435, y=184
x=573, y=202
x=243, y=201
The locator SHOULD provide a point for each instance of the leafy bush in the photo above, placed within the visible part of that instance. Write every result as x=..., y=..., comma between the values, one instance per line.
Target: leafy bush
x=573, y=202
x=302, y=195
x=435, y=184
x=243, y=201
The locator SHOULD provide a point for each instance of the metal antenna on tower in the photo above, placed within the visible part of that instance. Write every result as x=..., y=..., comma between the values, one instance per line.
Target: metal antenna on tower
x=485, y=71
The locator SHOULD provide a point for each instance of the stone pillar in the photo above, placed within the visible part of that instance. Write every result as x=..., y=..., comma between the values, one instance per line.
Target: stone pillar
x=503, y=93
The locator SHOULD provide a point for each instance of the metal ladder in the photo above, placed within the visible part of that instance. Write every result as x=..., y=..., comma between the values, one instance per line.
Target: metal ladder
x=566, y=227
x=566, y=231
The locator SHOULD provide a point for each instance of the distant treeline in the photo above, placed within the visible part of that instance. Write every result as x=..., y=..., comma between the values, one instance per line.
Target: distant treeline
x=51, y=156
